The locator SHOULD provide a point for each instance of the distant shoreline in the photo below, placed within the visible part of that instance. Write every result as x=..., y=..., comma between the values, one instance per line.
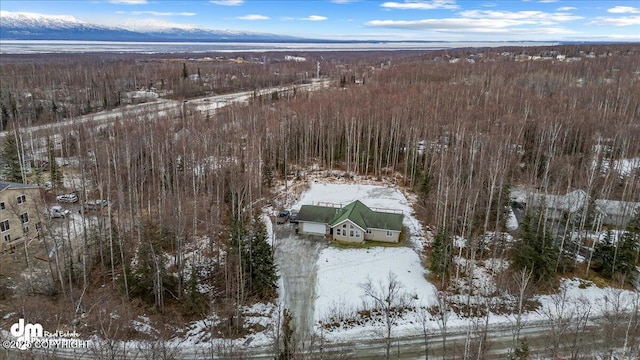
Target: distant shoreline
x=79, y=47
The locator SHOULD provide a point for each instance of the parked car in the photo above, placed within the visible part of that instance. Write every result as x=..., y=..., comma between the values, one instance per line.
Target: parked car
x=67, y=198
x=517, y=205
x=293, y=216
x=58, y=211
x=95, y=204
x=283, y=217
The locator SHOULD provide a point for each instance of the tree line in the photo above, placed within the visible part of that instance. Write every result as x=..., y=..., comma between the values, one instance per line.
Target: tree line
x=460, y=135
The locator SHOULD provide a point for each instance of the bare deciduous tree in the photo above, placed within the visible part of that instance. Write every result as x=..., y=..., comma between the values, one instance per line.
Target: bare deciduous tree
x=390, y=299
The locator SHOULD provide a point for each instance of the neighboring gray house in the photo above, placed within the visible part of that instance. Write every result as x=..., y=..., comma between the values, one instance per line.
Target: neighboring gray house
x=607, y=212
x=616, y=213
x=555, y=207
x=352, y=223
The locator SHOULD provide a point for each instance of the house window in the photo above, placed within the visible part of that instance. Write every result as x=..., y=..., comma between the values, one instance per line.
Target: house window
x=7, y=238
x=368, y=231
x=2, y=206
x=4, y=226
x=357, y=233
x=338, y=232
x=25, y=229
x=351, y=227
x=22, y=199
x=351, y=233
x=24, y=218
x=38, y=226
x=389, y=233
x=344, y=226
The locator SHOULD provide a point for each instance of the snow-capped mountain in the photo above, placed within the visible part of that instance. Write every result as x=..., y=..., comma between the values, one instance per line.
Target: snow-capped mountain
x=31, y=26
x=23, y=19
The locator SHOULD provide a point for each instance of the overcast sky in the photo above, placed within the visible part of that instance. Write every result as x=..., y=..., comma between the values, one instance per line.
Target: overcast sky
x=449, y=20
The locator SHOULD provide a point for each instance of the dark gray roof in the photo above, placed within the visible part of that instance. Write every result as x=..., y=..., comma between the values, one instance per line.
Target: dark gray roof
x=319, y=214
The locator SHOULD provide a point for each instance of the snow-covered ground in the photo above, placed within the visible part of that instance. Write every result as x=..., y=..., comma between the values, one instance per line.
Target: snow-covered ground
x=341, y=274
x=374, y=196
x=624, y=167
x=338, y=274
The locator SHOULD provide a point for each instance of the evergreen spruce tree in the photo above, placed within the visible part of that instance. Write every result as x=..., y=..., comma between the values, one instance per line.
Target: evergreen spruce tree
x=425, y=186
x=441, y=253
x=261, y=266
x=185, y=72
x=55, y=173
x=619, y=258
x=267, y=174
x=152, y=281
x=12, y=170
x=535, y=251
x=633, y=230
x=604, y=256
x=626, y=257
x=195, y=301
x=4, y=114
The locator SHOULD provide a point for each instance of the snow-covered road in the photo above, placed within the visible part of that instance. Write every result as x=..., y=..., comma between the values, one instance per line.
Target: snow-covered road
x=160, y=107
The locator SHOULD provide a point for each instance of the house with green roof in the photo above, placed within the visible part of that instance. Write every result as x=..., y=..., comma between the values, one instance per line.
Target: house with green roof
x=352, y=223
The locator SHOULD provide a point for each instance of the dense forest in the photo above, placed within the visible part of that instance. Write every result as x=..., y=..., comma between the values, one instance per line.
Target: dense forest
x=458, y=128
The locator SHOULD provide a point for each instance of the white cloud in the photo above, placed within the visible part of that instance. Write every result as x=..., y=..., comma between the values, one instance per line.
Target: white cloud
x=308, y=18
x=445, y=24
x=421, y=5
x=548, y=1
x=624, y=10
x=566, y=8
x=489, y=21
x=506, y=27
x=314, y=18
x=158, y=13
x=253, y=17
x=534, y=16
x=128, y=2
x=227, y=2
x=617, y=21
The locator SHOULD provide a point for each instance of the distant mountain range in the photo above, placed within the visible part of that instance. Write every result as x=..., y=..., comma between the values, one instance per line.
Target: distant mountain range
x=29, y=26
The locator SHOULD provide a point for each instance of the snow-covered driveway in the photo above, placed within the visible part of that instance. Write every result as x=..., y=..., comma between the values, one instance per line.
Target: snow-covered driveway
x=296, y=257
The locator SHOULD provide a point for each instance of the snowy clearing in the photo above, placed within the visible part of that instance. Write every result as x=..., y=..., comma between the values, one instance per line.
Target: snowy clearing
x=343, y=272
x=343, y=311
x=374, y=196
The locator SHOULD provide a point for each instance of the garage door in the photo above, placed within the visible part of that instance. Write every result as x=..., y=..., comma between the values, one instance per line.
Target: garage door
x=313, y=228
